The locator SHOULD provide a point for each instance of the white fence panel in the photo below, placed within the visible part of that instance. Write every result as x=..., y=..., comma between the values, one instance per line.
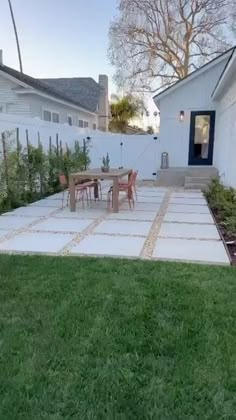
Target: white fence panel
x=141, y=152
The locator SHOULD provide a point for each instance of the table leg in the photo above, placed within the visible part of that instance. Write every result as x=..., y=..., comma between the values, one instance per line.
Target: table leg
x=72, y=194
x=115, y=195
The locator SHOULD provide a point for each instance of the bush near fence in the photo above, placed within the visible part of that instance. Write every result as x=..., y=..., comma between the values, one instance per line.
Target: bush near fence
x=30, y=173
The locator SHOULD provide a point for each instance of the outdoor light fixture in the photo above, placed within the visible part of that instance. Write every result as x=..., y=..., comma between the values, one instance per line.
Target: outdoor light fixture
x=181, y=116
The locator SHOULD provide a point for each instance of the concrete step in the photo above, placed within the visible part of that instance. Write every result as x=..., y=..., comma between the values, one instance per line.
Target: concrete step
x=194, y=186
x=176, y=176
x=197, y=182
x=198, y=179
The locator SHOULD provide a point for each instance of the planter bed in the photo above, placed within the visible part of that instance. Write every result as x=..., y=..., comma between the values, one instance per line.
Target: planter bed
x=226, y=237
x=222, y=203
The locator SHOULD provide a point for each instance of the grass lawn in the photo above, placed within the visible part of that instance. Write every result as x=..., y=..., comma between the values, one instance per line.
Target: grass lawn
x=112, y=339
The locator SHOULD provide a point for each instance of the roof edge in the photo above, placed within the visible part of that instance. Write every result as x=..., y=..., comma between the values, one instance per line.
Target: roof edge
x=194, y=74
x=224, y=73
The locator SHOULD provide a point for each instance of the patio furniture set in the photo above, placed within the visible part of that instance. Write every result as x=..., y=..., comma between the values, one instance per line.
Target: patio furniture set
x=85, y=183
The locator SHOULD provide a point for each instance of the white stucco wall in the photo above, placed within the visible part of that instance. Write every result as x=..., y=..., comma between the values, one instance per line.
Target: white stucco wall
x=225, y=140
x=193, y=95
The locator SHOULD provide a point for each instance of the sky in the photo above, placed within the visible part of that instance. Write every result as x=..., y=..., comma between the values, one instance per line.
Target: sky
x=59, y=38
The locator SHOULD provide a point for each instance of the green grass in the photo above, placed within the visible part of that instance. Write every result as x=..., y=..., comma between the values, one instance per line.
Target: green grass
x=112, y=339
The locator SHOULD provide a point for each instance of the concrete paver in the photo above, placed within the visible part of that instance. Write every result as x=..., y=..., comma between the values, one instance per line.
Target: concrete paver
x=197, y=218
x=165, y=224
x=124, y=227
x=15, y=222
x=187, y=208
x=191, y=250
x=185, y=200
x=187, y=230
x=4, y=232
x=133, y=215
x=62, y=225
x=109, y=246
x=42, y=242
x=33, y=211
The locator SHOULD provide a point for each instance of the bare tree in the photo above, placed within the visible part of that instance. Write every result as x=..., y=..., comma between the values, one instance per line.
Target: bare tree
x=164, y=40
x=16, y=36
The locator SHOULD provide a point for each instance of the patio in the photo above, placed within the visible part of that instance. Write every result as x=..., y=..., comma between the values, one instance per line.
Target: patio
x=166, y=224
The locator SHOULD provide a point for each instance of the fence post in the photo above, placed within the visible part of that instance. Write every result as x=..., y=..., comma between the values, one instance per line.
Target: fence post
x=84, y=153
x=57, y=145
x=61, y=150
x=39, y=143
x=28, y=159
x=4, y=150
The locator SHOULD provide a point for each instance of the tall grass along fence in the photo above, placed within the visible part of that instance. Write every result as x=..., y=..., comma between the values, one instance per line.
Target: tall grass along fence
x=29, y=172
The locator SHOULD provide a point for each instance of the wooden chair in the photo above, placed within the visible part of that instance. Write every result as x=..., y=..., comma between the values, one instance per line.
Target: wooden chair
x=80, y=191
x=94, y=185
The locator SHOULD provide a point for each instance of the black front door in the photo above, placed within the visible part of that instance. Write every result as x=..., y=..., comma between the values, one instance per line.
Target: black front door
x=201, y=143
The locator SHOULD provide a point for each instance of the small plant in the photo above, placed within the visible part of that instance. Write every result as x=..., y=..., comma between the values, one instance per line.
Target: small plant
x=105, y=163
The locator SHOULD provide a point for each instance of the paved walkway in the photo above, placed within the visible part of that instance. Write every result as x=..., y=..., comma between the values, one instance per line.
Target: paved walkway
x=165, y=224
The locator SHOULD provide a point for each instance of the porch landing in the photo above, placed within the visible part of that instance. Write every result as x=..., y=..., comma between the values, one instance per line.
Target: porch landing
x=192, y=177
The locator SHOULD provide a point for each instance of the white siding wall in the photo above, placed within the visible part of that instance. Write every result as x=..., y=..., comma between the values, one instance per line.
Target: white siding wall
x=37, y=104
x=12, y=103
x=195, y=95
x=32, y=105
x=225, y=142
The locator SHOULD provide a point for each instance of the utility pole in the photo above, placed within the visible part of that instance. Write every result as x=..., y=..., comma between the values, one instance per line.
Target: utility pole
x=16, y=35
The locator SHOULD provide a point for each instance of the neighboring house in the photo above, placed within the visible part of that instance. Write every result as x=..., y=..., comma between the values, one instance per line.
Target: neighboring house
x=75, y=101
x=198, y=123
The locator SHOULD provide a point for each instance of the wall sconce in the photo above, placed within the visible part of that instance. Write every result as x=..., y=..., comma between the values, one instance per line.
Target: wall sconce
x=181, y=116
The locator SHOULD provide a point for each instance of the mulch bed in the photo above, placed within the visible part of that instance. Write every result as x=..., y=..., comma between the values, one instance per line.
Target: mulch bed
x=227, y=238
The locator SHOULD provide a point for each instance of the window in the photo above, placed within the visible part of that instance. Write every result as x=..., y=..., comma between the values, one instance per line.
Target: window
x=47, y=116
x=69, y=120
x=81, y=123
x=94, y=126
x=85, y=124
x=55, y=117
x=50, y=116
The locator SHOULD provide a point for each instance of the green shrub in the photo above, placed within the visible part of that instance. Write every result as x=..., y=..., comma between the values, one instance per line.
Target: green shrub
x=222, y=201
x=27, y=174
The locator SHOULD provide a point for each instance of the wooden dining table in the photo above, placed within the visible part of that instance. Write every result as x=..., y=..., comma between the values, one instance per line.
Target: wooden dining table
x=97, y=174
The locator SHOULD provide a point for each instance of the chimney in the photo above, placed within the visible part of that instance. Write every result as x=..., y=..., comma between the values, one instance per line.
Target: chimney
x=1, y=57
x=103, y=107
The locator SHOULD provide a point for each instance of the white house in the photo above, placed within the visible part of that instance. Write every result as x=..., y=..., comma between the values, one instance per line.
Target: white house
x=198, y=124
x=75, y=101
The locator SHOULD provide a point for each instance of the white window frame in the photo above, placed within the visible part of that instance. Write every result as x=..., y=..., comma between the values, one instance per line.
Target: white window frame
x=69, y=116
x=82, y=123
x=52, y=111
x=86, y=124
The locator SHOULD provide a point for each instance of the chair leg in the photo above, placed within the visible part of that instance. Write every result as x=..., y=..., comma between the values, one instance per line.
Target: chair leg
x=109, y=195
x=90, y=196
x=87, y=197
x=135, y=192
x=68, y=196
x=100, y=188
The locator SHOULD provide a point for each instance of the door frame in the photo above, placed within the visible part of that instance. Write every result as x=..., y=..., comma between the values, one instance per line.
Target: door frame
x=191, y=159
